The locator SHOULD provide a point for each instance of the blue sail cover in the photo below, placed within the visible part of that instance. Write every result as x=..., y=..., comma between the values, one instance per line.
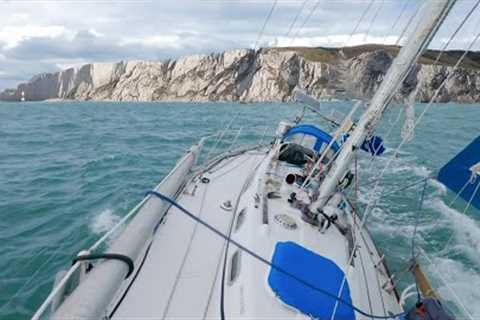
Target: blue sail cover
x=311, y=130
x=315, y=270
x=462, y=173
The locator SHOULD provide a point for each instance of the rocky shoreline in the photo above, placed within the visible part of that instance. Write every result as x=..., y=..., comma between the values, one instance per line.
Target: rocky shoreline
x=253, y=76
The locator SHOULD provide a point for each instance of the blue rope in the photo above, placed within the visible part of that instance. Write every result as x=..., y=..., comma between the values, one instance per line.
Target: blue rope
x=265, y=261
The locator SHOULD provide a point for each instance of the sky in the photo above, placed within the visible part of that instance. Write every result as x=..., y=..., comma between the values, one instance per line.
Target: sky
x=45, y=36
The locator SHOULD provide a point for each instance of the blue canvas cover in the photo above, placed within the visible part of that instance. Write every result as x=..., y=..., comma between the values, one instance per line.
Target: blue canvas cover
x=460, y=174
x=317, y=271
x=322, y=136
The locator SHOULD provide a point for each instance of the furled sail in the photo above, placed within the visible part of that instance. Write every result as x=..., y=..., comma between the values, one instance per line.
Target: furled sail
x=462, y=173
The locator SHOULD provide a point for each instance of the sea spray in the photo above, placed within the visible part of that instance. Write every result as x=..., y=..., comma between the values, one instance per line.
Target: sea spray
x=104, y=221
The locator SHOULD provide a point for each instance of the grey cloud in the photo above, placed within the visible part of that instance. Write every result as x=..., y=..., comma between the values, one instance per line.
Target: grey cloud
x=86, y=46
x=13, y=71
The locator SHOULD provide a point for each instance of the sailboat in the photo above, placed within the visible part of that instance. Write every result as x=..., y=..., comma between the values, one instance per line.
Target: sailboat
x=262, y=232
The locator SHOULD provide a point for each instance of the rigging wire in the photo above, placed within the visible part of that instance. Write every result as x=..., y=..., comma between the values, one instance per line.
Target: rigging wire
x=395, y=153
x=419, y=84
x=392, y=127
x=405, y=28
x=417, y=215
x=449, y=288
x=312, y=11
x=416, y=123
x=221, y=136
x=439, y=54
x=452, y=234
x=372, y=200
x=359, y=21
x=397, y=20
x=470, y=12
x=373, y=20
x=267, y=19
x=299, y=12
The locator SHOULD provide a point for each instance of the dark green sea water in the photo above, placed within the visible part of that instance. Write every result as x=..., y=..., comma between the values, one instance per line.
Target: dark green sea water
x=69, y=171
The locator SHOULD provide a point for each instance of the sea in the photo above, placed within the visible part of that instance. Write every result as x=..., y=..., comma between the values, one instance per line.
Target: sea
x=70, y=170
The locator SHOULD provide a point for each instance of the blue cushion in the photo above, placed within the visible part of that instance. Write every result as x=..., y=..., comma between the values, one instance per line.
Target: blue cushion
x=314, y=269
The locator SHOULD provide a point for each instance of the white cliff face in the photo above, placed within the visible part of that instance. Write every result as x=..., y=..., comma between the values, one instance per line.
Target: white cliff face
x=243, y=75
x=464, y=86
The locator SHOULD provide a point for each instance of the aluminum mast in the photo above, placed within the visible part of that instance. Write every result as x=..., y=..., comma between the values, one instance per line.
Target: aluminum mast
x=424, y=27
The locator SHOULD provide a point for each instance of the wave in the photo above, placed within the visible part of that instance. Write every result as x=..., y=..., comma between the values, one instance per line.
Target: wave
x=464, y=283
x=389, y=222
x=440, y=188
x=465, y=230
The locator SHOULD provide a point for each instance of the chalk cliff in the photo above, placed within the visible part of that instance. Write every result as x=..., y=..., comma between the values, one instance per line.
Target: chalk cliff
x=247, y=75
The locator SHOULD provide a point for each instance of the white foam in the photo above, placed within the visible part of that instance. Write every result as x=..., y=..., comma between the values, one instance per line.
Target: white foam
x=466, y=231
x=104, y=221
x=400, y=152
x=399, y=165
x=390, y=225
x=462, y=281
x=440, y=187
x=421, y=171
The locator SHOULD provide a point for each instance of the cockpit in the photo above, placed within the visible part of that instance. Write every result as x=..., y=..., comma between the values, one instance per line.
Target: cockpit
x=309, y=149
x=304, y=143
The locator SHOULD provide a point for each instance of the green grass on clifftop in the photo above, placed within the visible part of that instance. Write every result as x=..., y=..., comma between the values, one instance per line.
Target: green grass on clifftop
x=330, y=55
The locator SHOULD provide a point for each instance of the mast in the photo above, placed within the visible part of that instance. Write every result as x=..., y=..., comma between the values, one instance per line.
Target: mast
x=426, y=24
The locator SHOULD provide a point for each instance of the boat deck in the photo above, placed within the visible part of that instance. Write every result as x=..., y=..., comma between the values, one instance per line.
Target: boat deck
x=179, y=276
